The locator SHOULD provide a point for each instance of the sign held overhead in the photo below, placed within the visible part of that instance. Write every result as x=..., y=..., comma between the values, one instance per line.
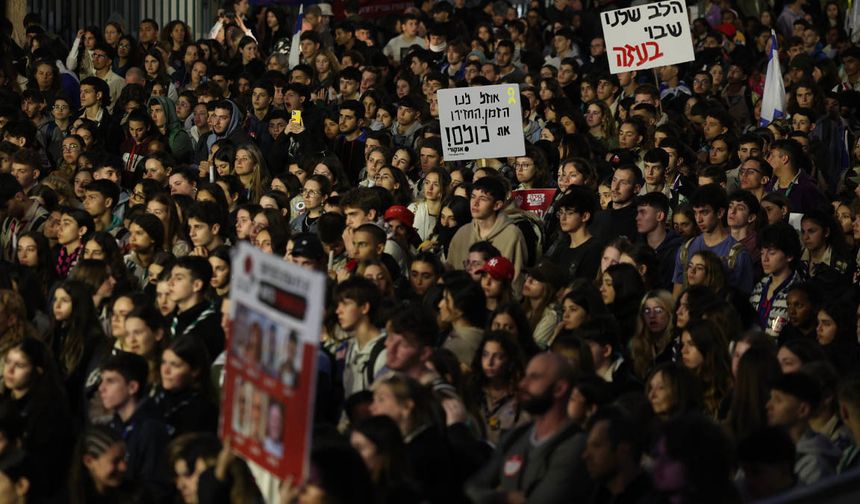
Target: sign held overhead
x=647, y=36
x=481, y=122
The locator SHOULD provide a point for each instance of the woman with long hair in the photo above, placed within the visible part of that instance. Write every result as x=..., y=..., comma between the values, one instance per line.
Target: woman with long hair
x=455, y=213
x=462, y=311
x=163, y=206
x=33, y=391
x=795, y=353
x=145, y=331
x=824, y=247
x=427, y=210
x=126, y=55
x=14, y=324
x=395, y=182
x=326, y=69
x=34, y=253
x=97, y=276
x=156, y=71
x=539, y=301
x=315, y=193
x=250, y=166
x=497, y=368
x=684, y=222
x=705, y=353
x=80, y=59
x=77, y=335
x=247, y=59
x=421, y=423
x=836, y=334
x=276, y=28
x=672, y=390
x=578, y=306
x=174, y=36
x=186, y=393
x=103, y=247
x=379, y=442
x=652, y=342
x=376, y=271
x=706, y=268
x=757, y=370
x=601, y=124
x=532, y=171
x=220, y=260
x=611, y=255
x=497, y=277
x=511, y=318
x=332, y=168
x=622, y=290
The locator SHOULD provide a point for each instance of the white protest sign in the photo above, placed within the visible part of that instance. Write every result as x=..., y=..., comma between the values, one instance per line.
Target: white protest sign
x=481, y=122
x=647, y=36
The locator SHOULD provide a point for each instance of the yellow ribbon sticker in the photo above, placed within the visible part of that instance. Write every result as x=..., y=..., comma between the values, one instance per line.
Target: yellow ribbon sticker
x=512, y=96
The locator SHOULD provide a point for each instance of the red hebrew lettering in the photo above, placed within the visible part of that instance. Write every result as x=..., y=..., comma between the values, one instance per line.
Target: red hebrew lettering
x=644, y=52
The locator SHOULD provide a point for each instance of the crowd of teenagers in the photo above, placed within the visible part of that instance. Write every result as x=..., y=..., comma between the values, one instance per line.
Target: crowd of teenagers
x=679, y=326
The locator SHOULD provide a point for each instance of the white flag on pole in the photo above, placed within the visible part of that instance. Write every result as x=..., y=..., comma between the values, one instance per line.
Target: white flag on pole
x=294, y=45
x=852, y=22
x=773, y=99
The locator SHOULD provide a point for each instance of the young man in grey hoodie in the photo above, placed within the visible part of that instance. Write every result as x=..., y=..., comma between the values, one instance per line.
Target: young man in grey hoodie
x=794, y=397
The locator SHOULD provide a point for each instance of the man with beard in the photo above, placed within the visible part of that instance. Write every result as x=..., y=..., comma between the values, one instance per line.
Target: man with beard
x=539, y=461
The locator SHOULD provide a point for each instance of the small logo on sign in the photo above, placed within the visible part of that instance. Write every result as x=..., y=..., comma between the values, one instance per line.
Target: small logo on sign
x=536, y=199
x=513, y=465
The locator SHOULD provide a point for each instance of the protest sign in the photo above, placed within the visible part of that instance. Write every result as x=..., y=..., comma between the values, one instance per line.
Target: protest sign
x=647, y=36
x=267, y=407
x=537, y=201
x=481, y=122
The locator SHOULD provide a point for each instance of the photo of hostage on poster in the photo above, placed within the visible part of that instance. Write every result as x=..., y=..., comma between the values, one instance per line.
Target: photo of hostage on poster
x=267, y=404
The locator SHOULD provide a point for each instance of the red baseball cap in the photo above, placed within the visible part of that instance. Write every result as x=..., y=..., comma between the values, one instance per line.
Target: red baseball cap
x=400, y=213
x=499, y=268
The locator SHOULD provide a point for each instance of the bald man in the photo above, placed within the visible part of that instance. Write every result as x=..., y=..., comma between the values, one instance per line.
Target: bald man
x=536, y=462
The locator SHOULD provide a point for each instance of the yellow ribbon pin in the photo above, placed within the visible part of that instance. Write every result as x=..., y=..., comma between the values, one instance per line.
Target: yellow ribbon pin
x=512, y=96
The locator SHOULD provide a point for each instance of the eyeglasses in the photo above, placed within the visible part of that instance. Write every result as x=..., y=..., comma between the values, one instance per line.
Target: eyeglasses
x=311, y=193
x=523, y=166
x=657, y=310
x=124, y=46
x=71, y=148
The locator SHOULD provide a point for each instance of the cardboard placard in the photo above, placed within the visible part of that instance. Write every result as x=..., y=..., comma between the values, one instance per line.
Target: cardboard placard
x=536, y=201
x=481, y=122
x=267, y=407
x=647, y=36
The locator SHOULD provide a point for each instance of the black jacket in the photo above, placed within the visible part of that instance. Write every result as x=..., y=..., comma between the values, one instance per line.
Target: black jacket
x=48, y=436
x=146, y=438
x=202, y=320
x=186, y=411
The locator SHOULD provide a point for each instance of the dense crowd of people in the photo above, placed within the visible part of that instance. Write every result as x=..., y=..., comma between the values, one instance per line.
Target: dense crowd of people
x=680, y=325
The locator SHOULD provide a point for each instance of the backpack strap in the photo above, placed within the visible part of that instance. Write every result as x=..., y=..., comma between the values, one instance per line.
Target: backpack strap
x=732, y=259
x=370, y=365
x=685, y=251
